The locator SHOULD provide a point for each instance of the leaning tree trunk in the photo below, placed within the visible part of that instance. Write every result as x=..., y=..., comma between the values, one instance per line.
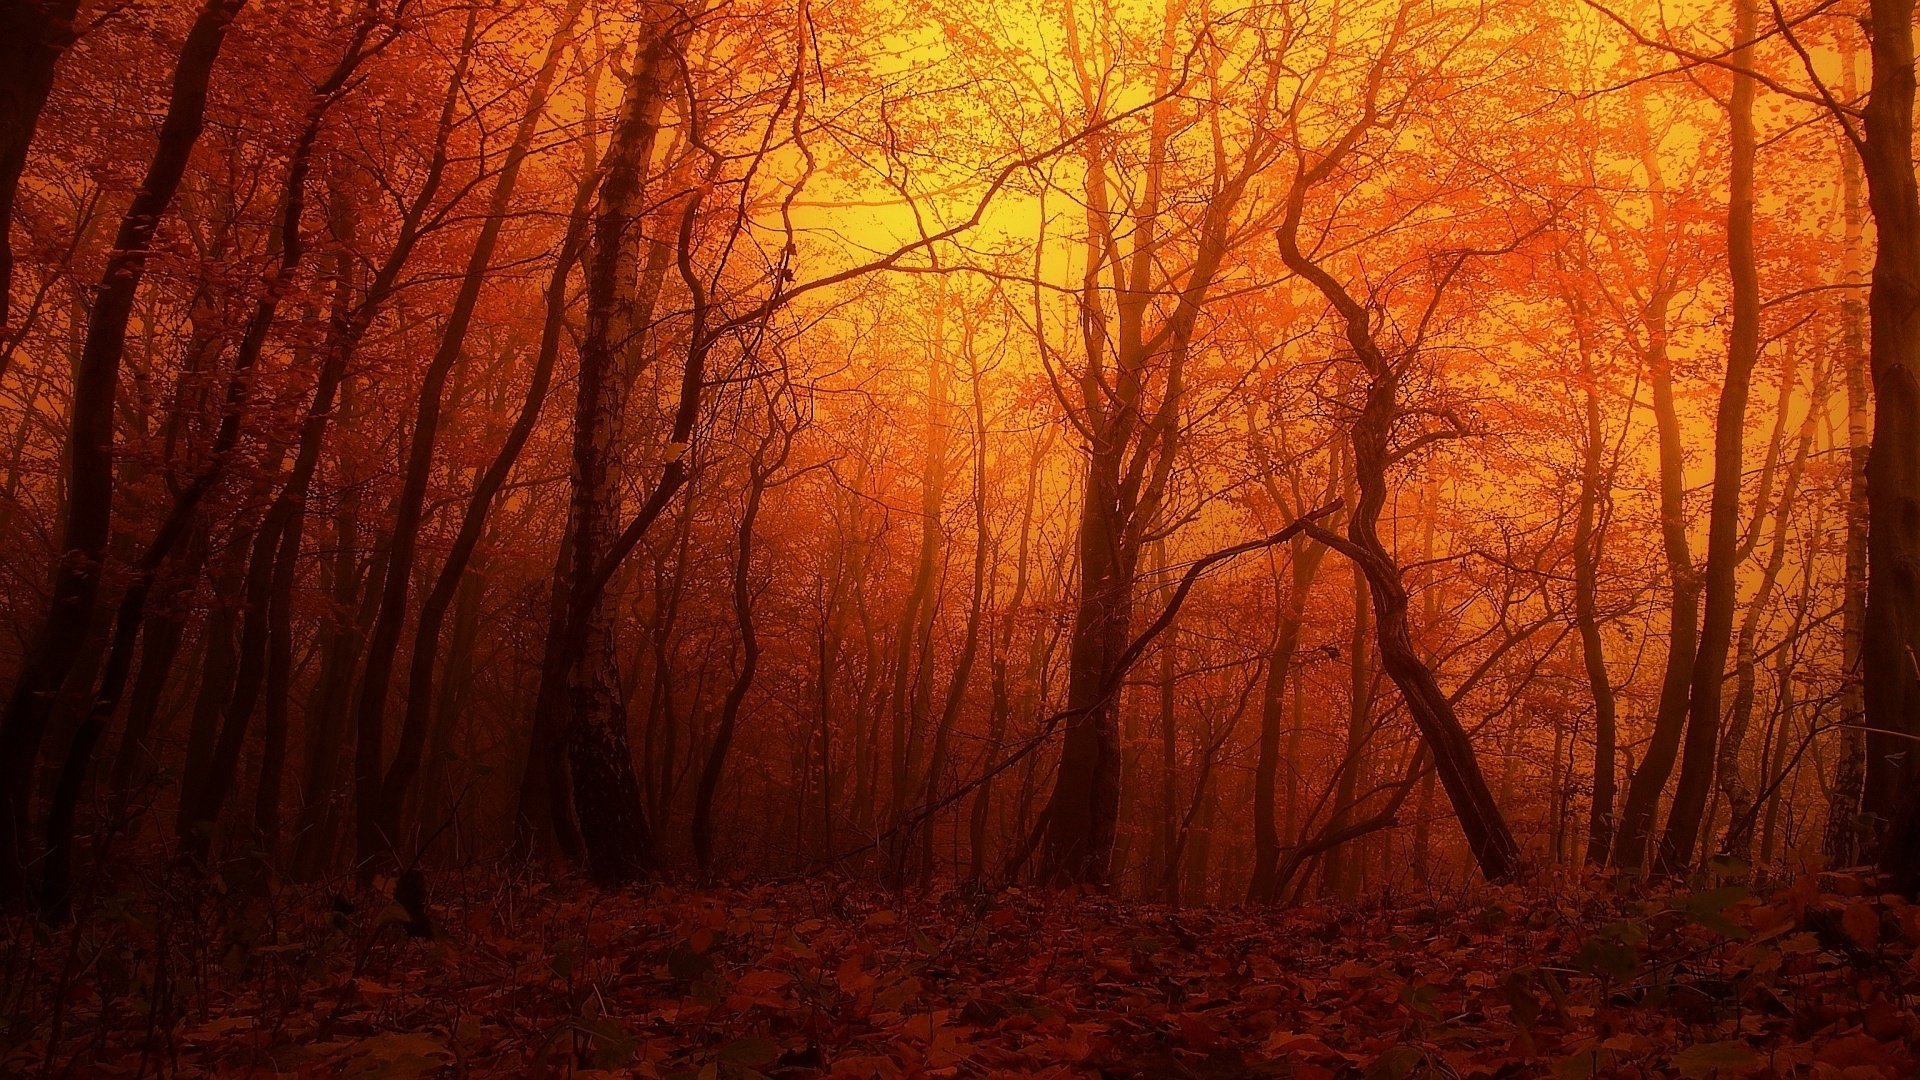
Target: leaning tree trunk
x=374, y=815
x=1371, y=434
x=33, y=36
x=90, y=457
x=415, y=722
x=264, y=634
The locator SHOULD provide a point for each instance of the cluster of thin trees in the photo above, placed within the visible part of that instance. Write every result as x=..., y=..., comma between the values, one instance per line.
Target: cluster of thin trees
x=1219, y=451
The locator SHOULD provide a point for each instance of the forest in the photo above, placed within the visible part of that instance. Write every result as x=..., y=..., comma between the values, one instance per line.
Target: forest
x=1124, y=538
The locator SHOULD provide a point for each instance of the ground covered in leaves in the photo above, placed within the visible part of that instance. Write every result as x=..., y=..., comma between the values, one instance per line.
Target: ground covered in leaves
x=812, y=978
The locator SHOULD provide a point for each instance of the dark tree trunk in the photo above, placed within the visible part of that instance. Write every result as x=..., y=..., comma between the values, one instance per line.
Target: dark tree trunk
x=1589, y=539
x=981, y=595
x=913, y=658
x=1371, y=435
x=1892, y=633
x=277, y=541
x=1000, y=663
x=766, y=461
x=580, y=711
x=1699, y=754
x=380, y=791
x=90, y=440
x=1733, y=785
x=1683, y=623
x=1841, y=841
x=373, y=843
x=34, y=34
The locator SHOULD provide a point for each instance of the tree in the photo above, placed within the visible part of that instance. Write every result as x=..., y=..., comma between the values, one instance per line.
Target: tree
x=90, y=482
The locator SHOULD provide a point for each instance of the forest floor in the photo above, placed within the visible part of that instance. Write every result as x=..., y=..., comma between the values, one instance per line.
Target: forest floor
x=813, y=978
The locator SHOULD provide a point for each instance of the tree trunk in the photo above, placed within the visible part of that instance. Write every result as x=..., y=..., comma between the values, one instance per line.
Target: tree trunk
x=1699, y=755
x=1891, y=640
x=1683, y=622
x=980, y=597
x=34, y=34
x=913, y=660
x=90, y=464
x=1370, y=433
x=405, y=767
x=766, y=461
x=1842, y=840
x=1337, y=877
x=1304, y=556
x=579, y=698
x=373, y=812
x=1738, y=841
x=1589, y=539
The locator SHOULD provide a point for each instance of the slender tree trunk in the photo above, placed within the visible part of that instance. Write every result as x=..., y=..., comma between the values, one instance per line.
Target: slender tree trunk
x=1370, y=433
x=349, y=614
x=138, y=753
x=1784, y=704
x=579, y=699
x=766, y=461
x=913, y=660
x=373, y=811
x=1589, y=538
x=220, y=656
x=405, y=766
x=1842, y=841
x=1739, y=795
x=439, y=799
x=1699, y=755
x=1683, y=623
x=1304, y=558
x=1337, y=877
x=980, y=597
x=1169, y=844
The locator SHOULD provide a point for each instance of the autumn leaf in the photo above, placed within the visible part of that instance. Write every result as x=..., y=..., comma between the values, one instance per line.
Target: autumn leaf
x=1861, y=922
x=1709, y=1061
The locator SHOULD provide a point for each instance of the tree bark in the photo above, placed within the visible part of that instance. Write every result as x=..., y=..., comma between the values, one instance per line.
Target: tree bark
x=1304, y=557
x=374, y=813
x=1739, y=794
x=580, y=705
x=1370, y=433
